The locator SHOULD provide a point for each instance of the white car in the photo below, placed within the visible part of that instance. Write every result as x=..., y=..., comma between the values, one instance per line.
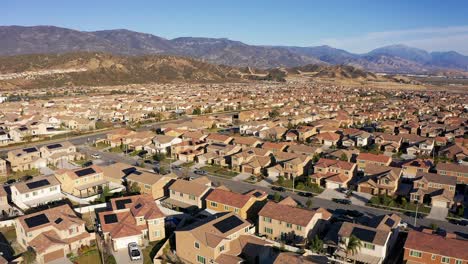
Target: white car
x=134, y=251
x=96, y=156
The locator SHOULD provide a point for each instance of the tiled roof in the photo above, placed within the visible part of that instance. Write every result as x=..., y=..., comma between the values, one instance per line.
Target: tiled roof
x=436, y=244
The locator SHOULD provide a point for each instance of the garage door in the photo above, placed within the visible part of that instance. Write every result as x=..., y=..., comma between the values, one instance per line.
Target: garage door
x=365, y=190
x=439, y=204
x=123, y=242
x=54, y=255
x=332, y=185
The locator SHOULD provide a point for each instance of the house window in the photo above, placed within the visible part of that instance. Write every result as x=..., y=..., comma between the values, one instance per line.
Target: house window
x=415, y=253
x=181, y=194
x=236, y=210
x=458, y=261
x=226, y=208
x=299, y=228
x=246, y=229
x=53, y=188
x=201, y=259
x=27, y=195
x=445, y=260
x=157, y=233
x=155, y=222
x=172, y=191
x=192, y=197
x=433, y=257
x=214, y=204
x=288, y=225
x=147, y=186
x=34, y=193
x=197, y=245
x=267, y=219
x=268, y=230
x=221, y=248
x=369, y=246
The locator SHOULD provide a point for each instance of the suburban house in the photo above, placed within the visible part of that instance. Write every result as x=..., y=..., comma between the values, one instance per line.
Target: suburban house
x=39, y=190
x=437, y=189
x=247, y=142
x=188, y=195
x=26, y=159
x=388, y=143
x=132, y=219
x=379, y=180
x=376, y=241
x=425, y=247
x=82, y=182
x=150, y=183
x=251, y=160
x=284, y=222
x=52, y=233
x=218, y=138
x=364, y=159
x=163, y=143
x=59, y=152
x=289, y=165
x=453, y=170
x=333, y=174
x=245, y=205
x=412, y=167
x=305, y=132
x=226, y=238
x=329, y=138
x=117, y=172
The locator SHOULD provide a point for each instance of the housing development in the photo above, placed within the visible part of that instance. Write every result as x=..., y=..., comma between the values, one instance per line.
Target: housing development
x=254, y=172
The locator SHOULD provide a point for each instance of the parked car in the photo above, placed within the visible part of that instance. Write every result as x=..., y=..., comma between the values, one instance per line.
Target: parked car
x=278, y=188
x=95, y=156
x=176, y=167
x=200, y=172
x=342, y=190
x=413, y=214
x=152, y=162
x=341, y=201
x=134, y=251
x=305, y=194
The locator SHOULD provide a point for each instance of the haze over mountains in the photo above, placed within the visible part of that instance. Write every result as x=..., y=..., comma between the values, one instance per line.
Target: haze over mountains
x=15, y=40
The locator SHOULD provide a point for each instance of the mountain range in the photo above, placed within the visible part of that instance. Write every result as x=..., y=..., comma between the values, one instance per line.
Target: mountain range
x=16, y=40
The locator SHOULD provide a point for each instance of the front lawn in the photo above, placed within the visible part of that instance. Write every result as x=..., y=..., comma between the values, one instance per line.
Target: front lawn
x=86, y=255
x=220, y=171
x=300, y=185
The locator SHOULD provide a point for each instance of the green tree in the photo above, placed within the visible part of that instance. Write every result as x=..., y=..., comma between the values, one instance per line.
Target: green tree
x=309, y=203
x=353, y=246
x=316, y=245
x=273, y=113
x=276, y=197
x=29, y=256
x=134, y=188
x=461, y=210
x=343, y=157
x=196, y=111
x=280, y=180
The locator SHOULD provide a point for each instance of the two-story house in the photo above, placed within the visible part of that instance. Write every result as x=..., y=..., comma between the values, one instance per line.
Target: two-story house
x=150, y=183
x=39, y=190
x=412, y=167
x=290, y=165
x=437, y=189
x=188, y=195
x=364, y=159
x=82, y=182
x=425, y=247
x=58, y=152
x=460, y=172
x=332, y=173
x=284, y=222
x=245, y=205
x=379, y=180
x=225, y=238
x=132, y=219
x=52, y=233
x=26, y=159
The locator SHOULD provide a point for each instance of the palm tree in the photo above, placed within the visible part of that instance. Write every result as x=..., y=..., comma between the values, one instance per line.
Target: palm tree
x=353, y=246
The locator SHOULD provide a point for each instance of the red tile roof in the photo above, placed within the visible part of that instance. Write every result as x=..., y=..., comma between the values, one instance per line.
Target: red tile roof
x=436, y=244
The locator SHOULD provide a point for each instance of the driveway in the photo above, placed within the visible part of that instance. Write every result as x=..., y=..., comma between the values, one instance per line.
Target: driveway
x=356, y=198
x=242, y=176
x=438, y=213
x=122, y=257
x=46, y=171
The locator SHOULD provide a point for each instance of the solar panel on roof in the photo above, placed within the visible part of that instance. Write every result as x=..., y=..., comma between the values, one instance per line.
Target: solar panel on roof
x=364, y=234
x=110, y=218
x=228, y=224
x=37, y=184
x=390, y=222
x=138, y=206
x=85, y=172
x=30, y=150
x=54, y=146
x=36, y=220
x=121, y=203
x=129, y=170
x=257, y=194
x=58, y=220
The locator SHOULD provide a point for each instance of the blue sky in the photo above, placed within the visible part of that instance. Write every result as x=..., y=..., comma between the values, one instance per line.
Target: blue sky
x=357, y=26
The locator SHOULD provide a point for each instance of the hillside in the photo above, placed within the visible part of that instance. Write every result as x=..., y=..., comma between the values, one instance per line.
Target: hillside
x=89, y=69
x=335, y=72
x=16, y=40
